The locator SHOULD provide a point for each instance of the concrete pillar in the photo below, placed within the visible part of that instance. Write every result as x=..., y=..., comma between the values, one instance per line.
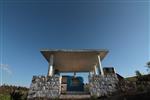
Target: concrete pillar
x=74, y=74
x=89, y=73
x=100, y=66
x=92, y=72
x=95, y=70
x=50, y=67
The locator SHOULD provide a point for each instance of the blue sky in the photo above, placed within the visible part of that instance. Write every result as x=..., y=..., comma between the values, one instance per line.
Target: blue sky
x=121, y=26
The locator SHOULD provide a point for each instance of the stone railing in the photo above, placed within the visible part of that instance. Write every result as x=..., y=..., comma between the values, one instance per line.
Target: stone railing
x=103, y=85
x=45, y=87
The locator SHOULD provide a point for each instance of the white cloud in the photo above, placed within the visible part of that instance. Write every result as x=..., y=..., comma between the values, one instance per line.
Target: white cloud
x=6, y=68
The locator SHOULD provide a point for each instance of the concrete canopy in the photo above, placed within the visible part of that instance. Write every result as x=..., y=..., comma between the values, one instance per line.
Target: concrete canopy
x=74, y=60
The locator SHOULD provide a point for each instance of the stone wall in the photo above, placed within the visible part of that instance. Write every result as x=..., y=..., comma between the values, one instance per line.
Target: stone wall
x=135, y=84
x=45, y=87
x=103, y=85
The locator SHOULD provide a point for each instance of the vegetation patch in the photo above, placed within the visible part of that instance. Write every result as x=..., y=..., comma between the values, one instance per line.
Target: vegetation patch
x=8, y=92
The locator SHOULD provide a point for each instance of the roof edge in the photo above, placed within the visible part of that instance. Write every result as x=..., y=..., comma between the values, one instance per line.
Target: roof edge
x=74, y=50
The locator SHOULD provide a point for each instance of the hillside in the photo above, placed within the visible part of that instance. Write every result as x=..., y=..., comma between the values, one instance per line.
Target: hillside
x=8, y=92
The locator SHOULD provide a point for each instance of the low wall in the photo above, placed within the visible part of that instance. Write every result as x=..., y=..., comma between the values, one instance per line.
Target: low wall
x=45, y=87
x=103, y=85
x=50, y=87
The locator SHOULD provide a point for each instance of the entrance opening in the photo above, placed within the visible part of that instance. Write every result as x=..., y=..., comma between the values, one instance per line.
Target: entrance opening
x=74, y=83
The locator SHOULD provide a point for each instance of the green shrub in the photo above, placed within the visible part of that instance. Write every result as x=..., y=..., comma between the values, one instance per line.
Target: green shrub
x=140, y=88
x=4, y=97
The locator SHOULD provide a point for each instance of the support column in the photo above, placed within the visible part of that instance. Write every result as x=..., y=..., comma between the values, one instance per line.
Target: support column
x=95, y=70
x=90, y=74
x=50, y=67
x=100, y=66
x=74, y=74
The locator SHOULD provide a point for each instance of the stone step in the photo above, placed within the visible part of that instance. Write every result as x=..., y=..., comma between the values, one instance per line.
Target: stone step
x=74, y=97
x=77, y=92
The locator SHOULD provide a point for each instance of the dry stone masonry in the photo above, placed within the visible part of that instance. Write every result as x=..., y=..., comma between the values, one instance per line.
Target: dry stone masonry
x=100, y=85
x=45, y=87
x=50, y=86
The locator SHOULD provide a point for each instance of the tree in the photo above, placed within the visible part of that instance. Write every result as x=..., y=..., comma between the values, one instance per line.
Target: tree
x=16, y=95
x=148, y=66
x=138, y=74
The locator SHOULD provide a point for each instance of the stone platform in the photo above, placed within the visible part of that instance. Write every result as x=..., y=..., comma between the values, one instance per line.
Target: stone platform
x=45, y=87
x=103, y=85
x=50, y=87
x=74, y=97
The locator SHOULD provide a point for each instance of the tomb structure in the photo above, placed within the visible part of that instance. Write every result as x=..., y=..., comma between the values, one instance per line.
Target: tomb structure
x=102, y=81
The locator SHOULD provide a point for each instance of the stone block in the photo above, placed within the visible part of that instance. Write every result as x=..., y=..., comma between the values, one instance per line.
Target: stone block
x=102, y=85
x=47, y=87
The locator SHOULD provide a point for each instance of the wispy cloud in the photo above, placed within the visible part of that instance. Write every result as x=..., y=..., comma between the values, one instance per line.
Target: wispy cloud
x=6, y=68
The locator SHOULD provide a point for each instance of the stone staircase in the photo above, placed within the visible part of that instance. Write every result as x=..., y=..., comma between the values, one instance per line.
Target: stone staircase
x=75, y=95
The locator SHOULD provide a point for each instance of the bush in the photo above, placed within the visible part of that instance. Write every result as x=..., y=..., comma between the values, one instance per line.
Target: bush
x=141, y=88
x=4, y=97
